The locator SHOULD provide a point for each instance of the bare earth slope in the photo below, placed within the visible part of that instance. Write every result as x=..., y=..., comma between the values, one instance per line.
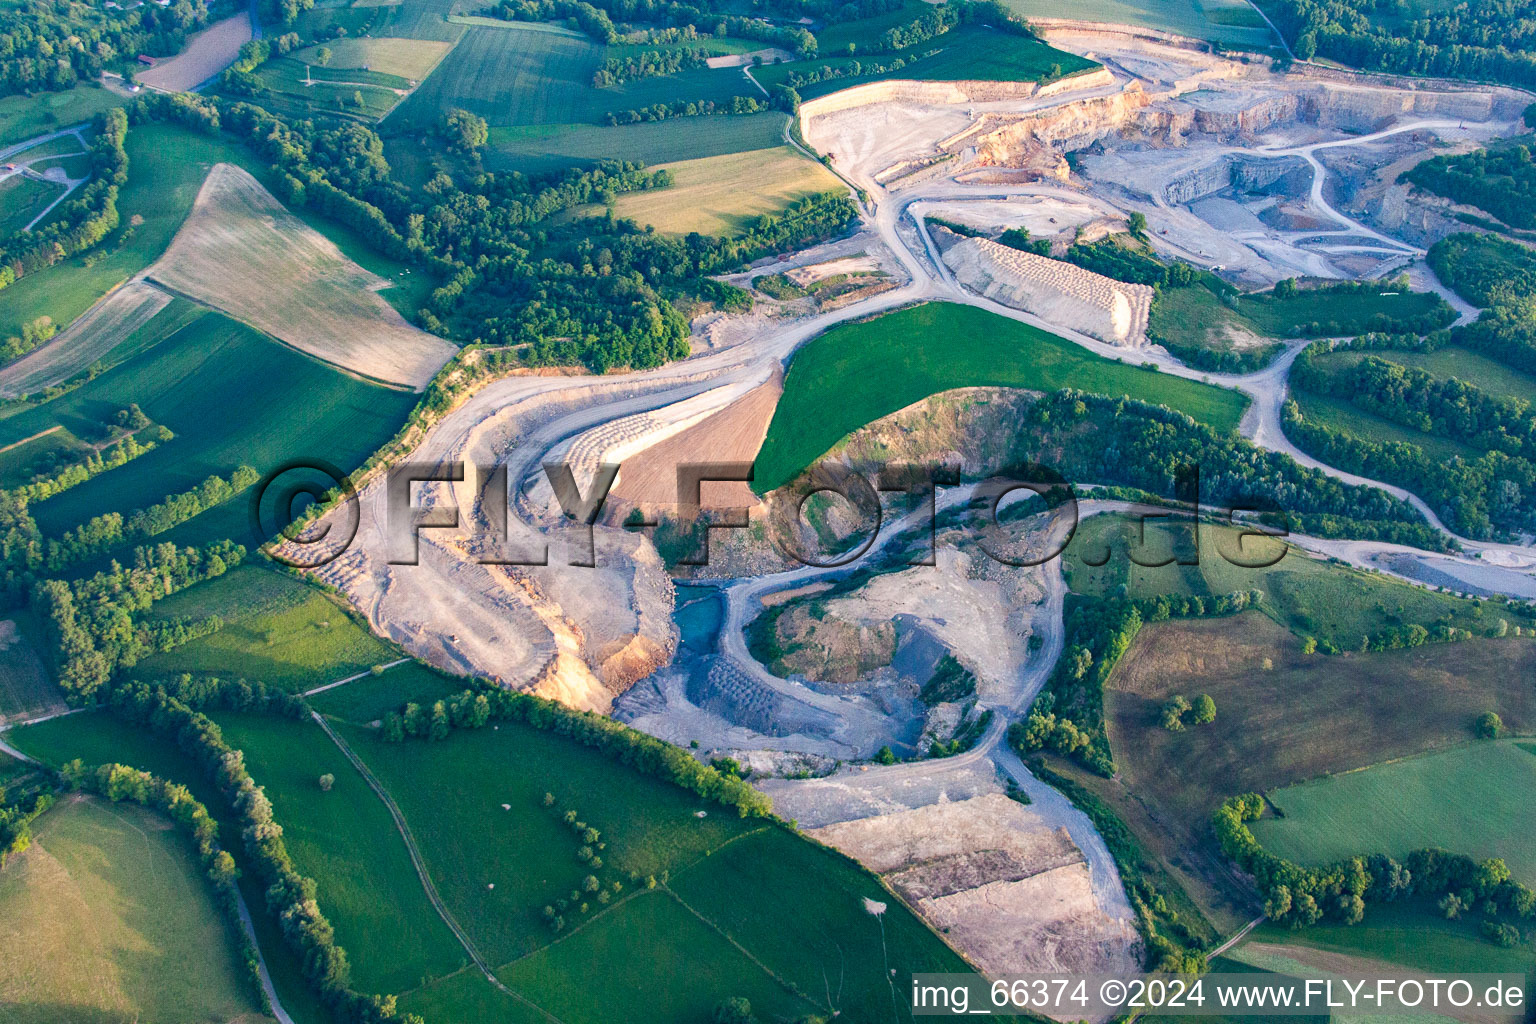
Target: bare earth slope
x=241, y=252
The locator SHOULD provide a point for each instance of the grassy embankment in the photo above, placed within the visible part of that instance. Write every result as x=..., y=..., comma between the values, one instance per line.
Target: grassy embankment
x=856, y=373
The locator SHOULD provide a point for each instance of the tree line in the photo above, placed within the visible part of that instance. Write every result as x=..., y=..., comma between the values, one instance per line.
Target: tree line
x=102, y=533
x=483, y=703
x=649, y=64
x=1302, y=896
x=89, y=622
x=291, y=898
x=1500, y=181
x=1484, y=42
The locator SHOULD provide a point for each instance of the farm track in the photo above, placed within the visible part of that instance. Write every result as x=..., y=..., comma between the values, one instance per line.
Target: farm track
x=420, y=864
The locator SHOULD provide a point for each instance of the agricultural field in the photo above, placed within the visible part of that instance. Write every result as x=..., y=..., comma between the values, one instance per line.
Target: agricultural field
x=856, y=373
x=20, y=461
x=1303, y=594
x=382, y=71
x=167, y=165
x=277, y=630
x=534, y=149
x=969, y=52
x=1282, y=718
x=1474, y=799
x=26, y=691
x=241, y=252
x=25, y=117
x=722, y=195
x=107, y=918
x=231, y=397
x=1221, y=21
x=519, y=74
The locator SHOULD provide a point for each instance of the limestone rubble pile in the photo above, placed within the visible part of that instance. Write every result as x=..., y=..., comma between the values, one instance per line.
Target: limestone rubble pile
x=1054, y=290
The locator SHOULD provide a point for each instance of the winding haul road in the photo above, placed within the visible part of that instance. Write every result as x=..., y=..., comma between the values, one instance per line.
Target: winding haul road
x=900, y=226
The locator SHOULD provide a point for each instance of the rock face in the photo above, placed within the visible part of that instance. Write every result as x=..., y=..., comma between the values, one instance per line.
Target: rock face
x=1060, y=292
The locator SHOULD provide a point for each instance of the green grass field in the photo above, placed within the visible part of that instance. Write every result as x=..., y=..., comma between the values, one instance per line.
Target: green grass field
x=722, y=195
x=535, y=149
x=1194, y=317
x=1474, y=800
x=22, y=199
x=107, y=918
x=231, y=397
x=24, y=117
x=1307, y=596
x=372, y=697
x=346, y=841
x=856, y=373
x=718, y=866
x=1465, y=365
x=969, y=52
x=1222, y=21
x=276, y=630
x=1410, y=935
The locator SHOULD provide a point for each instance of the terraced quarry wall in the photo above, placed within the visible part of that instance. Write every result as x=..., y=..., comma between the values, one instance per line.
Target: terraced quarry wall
x=1060, y=292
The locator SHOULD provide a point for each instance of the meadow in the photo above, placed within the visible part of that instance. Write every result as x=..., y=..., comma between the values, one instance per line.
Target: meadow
x=535, y=149
x=858, y=372
x=372, y=697
x=346, y=841
x=22, y=200
x=1338, y=414
x=1194, y=317
x=108, y=918
x=23, y=117
x=1474, y=799
x=514, y=73
x=277, y=630
x=967, y=53
x=231, y=397
x=723, y=195
x=712, y=872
